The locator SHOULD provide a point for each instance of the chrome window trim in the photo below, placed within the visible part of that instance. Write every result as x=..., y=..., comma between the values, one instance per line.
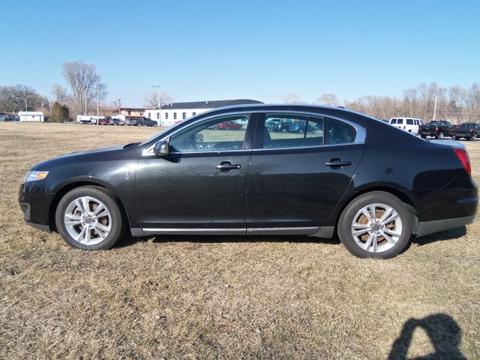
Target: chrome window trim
x=359, y=139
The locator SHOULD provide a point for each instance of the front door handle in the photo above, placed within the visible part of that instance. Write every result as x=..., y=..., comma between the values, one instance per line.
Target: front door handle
x=227, y=166
x=337, y=163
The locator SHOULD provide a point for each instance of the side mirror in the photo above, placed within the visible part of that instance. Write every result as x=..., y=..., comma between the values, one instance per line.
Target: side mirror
x=162, y=148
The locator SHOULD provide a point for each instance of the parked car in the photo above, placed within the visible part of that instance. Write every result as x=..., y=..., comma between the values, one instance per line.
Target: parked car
x=118, y=122
x=410, y=125
x=299, y=127
x=229, y=125
x=469, y=131
x=147, y=122
x=279, y=125
x=372, y=184
x=436, y=128
x=104, y=121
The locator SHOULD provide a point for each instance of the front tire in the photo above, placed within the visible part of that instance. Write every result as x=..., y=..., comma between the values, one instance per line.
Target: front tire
x=375, y=225
x=89, y=218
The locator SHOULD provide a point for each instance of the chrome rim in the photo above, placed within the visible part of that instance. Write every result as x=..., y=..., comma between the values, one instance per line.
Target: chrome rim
x=87, y=220
x=376, y=227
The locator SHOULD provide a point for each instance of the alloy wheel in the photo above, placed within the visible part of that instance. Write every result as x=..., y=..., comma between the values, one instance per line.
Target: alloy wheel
x=87, y=220
x=376, y=227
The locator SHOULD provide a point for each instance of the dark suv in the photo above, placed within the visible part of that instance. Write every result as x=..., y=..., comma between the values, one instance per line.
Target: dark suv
x=436, y=128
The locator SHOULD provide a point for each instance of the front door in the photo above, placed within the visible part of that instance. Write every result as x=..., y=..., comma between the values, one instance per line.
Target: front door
x=200, y=186
x=299, y=172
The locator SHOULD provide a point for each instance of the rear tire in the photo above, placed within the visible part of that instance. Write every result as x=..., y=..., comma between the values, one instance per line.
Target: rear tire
x=373, y=236
x=89, y=218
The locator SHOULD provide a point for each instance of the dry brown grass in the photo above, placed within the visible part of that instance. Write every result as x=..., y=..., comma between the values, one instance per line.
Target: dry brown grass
x=229, y=297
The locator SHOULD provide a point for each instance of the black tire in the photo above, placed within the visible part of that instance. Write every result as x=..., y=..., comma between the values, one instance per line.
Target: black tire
x=346, y=219
x=101, y=194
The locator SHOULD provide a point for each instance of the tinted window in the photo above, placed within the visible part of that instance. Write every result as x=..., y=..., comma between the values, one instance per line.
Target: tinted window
x=393, y=121
x=400, y=121
x=409, y=121
x=338, y=132
x=214, y=135
x=292, y=131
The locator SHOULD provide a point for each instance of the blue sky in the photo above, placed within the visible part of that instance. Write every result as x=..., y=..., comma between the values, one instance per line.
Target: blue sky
x=243, y=49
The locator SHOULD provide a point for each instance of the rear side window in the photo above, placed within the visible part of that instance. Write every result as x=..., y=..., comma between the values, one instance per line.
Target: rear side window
x=338, y=132
x=409, y=121
x=292, y=131
x=400, y=121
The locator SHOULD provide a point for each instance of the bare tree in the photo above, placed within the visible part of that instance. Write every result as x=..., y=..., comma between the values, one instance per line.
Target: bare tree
x=155, y=98
x=292, y=98
x=16, y=98
x=85, y=83
x=60, y=94
x=328, y=99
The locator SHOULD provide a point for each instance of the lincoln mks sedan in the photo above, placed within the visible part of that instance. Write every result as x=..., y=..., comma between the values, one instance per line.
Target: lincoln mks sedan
x=341, y=174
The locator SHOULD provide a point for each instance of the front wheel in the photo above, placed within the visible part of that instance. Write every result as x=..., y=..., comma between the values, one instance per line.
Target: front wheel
x=375, y=225
x=89, y=218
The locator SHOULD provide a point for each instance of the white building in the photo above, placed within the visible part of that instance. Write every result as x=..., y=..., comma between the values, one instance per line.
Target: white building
x=31, y=116
x=174, y=113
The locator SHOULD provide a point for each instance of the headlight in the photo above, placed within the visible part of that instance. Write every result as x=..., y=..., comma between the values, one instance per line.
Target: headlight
x=35, y=176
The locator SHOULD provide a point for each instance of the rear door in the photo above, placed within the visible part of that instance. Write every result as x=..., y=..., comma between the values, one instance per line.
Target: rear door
x=296, y=179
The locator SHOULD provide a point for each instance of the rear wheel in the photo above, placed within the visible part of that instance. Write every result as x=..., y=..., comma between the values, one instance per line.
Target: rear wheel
x=88, y=218
x=375, y=225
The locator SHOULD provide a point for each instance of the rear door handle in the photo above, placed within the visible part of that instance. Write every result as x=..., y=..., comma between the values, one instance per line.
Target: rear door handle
x=337, y=163
x=227, y=166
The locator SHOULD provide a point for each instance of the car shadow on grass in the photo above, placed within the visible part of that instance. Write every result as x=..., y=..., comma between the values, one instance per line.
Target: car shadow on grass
x=443, y=331
x=441, y=236
x=212, y=239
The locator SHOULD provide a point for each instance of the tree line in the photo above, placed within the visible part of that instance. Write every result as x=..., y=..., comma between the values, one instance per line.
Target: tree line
x=425, y=101
x=86, y=93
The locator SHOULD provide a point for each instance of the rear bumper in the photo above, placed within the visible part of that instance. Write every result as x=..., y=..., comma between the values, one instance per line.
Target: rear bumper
x=430, y=227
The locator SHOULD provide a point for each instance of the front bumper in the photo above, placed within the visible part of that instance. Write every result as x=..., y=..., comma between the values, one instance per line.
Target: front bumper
x=35, y=205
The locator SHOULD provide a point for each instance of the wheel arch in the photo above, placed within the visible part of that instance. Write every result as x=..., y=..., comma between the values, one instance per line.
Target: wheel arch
x=65, y=188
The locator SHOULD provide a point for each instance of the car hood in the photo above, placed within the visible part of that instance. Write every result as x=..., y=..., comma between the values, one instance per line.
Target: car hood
x=77, y=156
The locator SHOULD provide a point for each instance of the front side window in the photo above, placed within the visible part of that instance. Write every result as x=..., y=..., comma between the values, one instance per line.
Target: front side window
x=393, y=121
x=220, y=134
x=399, y=121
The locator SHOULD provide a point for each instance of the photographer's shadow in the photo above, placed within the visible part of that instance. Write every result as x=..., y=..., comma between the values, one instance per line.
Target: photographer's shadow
x=444, y=333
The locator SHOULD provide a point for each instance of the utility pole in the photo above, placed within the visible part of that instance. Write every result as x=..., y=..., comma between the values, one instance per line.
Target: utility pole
x=435, y=107
x=98, y=94
x=26, y=110
x=159, y=104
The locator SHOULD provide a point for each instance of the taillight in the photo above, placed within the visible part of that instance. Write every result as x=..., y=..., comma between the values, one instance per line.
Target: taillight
x=462, y=156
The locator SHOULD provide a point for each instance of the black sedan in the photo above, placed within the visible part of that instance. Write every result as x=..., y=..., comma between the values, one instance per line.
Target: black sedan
x=372, y=184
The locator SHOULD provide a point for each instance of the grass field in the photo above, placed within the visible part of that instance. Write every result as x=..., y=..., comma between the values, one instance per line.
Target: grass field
x=228, y=297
